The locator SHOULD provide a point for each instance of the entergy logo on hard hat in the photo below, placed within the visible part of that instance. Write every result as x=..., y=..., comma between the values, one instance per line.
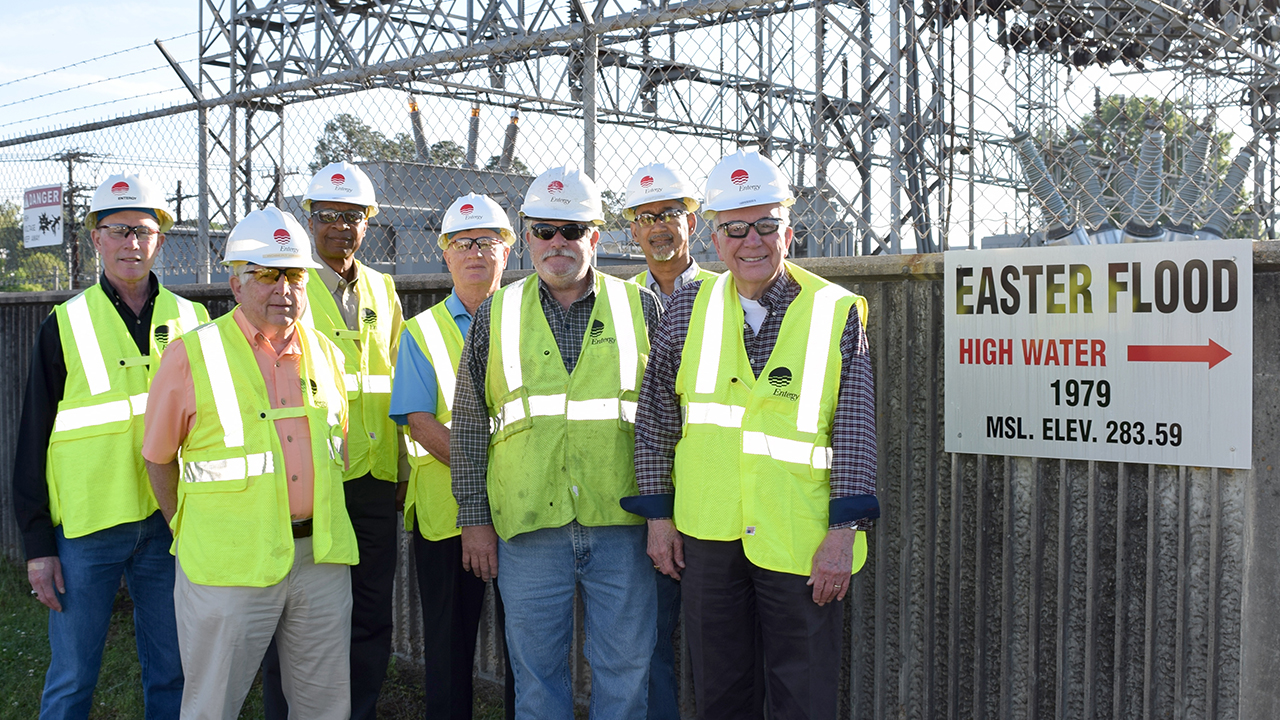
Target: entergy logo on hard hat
x=120, y=188
x=556, y=187
x=646, y=181
x=338, y=179
x=739, y=177
x=467, y=209
x=282, y=236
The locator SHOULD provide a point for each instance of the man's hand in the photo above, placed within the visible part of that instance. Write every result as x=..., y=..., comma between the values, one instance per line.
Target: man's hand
x=45, y=574
x=833, y=566
x=480, y=551
x=666, y=547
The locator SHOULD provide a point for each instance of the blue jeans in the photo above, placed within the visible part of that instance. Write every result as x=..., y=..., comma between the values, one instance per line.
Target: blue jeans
x=537, y=573
x=91, y=569
x=664, y=701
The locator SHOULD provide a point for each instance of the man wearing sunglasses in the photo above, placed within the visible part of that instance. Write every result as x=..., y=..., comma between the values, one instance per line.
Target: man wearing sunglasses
x=541, y=450
x=256, y=404
x=476, y=238
x=357, y=308
x=756, y=457
x=84, y=506
x=661, y=206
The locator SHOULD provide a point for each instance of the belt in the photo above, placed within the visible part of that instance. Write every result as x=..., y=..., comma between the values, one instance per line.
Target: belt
x=302, y=528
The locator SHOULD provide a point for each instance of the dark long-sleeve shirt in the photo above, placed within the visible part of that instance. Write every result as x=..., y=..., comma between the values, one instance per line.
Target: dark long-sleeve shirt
x=853, y=435
x=469, y=429
x=45, y=387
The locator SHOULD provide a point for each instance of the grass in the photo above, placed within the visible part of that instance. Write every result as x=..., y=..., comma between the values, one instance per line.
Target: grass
x=24, y=658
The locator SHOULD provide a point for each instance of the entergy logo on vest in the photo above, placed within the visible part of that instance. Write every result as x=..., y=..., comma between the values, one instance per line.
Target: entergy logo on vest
x=780, y=377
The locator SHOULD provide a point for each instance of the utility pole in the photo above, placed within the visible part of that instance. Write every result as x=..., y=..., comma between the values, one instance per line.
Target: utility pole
x=176, y=198
x=71, y=228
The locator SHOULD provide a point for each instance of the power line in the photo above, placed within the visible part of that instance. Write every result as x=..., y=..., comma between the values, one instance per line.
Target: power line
x=85, y=107
x=88, y=84
x=100, y=57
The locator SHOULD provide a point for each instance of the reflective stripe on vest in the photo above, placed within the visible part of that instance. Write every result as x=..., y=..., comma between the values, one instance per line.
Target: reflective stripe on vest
x=95, y=368
x=115, y=411
x=446, y=378
x=224, y=388
x=544, y=405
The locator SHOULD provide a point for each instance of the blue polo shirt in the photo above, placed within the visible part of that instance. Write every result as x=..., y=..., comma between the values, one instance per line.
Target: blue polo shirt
x=415, y=388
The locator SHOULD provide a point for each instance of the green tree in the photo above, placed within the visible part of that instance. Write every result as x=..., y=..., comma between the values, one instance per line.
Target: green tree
x=448, y=154
x=613, y=219
x=347, y=137
x=22, y=269
x=517, y=166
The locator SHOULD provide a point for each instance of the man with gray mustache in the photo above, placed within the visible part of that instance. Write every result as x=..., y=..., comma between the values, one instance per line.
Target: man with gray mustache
x=542, y=444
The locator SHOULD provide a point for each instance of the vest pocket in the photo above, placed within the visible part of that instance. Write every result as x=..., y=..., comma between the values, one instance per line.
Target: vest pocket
x=513, y=415
x=224, y=471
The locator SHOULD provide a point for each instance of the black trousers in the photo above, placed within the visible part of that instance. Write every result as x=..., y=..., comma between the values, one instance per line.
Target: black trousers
x=726, y=598
x=371, y=504
x=451, y=603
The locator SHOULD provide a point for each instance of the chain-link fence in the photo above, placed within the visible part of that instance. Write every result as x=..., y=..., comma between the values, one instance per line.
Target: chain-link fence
x=903, y=126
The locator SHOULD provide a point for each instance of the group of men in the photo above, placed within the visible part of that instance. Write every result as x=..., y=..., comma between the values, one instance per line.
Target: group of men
x=684, y=434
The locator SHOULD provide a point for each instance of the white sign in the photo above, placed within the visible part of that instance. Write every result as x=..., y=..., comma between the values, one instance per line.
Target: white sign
x=42, y=216
x=1137, y=353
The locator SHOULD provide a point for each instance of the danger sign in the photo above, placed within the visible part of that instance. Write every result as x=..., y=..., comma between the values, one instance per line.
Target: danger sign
x=1134, y=353
x=42, y=216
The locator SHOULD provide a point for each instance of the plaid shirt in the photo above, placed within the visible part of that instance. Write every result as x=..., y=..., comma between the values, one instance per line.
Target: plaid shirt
x=658, y=418
x=470, y=429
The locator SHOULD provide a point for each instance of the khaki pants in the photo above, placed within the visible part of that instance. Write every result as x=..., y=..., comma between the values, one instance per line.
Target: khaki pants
x=223, y=633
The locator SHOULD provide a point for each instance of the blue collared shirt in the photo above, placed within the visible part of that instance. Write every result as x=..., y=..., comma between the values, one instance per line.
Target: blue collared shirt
x=415, y=388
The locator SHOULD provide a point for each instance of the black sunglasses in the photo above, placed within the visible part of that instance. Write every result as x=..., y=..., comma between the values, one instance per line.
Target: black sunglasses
x=572, y=231
x=351, y=217
x=739, y=228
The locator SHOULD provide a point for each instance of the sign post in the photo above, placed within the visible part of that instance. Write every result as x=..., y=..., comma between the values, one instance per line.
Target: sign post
x=42, y=216
x=1139, y=353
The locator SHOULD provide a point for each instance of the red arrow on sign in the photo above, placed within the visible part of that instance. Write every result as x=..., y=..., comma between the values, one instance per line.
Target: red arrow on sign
x=1213, y=353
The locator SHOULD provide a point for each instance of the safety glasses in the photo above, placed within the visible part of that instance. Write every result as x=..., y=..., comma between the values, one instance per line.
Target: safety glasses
x=120, y=231
x=669, y=216
x=739, y=228
x=350, y=217
x=572, y=231
x=271, y=276
x=467, y=244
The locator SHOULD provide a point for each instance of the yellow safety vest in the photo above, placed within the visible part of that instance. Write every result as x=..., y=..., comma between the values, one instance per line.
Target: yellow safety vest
x=232, y=527
x=564, y=444
x=369, y=355
x=430, y=495
x=96, y=475
x=754, y=460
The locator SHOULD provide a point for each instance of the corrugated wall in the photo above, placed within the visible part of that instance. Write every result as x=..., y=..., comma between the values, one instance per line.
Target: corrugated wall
x=996, y=587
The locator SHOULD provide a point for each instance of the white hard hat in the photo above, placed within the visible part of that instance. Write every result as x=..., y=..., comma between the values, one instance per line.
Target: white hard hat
x=129, y=192
x=473, y=211
x=269, y=237
x=656, y=182
x=563, y=193
x=342, y=182
x=744, y=179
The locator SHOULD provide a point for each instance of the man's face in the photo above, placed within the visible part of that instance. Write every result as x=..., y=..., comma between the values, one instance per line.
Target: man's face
x=476, y=266
x=663, y=241
x=270, y=305
x=126, y=260
x=337, y=241
x=561, y=262
x=754, y=260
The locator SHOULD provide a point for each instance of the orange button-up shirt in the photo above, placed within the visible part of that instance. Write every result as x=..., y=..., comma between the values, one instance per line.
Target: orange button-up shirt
x=171, y=410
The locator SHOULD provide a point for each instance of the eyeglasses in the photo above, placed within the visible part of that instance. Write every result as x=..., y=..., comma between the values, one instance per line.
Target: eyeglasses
x=668, y=216
x=121, y=231
x=271, y=276
x=739, y=228
x=467, y=244
x=572, y=231
x=351, y=217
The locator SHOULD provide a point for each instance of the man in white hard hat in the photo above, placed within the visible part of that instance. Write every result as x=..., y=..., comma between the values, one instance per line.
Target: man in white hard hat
x=541, y=452
x=756, y=457
x=476, y=238
x=84, y=507
x=256, y=403
x=357, y=308
x=661, y=205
